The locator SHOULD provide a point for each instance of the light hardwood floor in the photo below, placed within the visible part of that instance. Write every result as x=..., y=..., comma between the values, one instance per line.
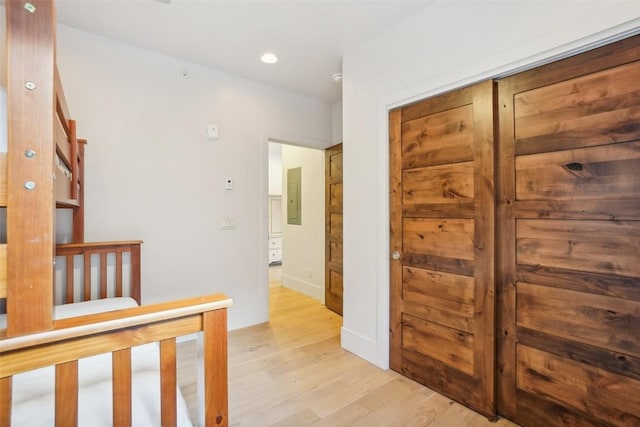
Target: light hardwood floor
x=292, y=372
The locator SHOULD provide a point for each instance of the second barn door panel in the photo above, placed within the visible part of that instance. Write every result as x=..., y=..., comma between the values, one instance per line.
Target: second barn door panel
x=442, y=244
x=569, y=210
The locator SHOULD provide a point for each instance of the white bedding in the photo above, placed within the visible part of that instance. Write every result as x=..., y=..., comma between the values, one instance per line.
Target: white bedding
x=33, y=397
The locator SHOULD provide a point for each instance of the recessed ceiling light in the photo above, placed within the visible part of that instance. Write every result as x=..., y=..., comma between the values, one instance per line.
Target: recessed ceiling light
x=269, y=58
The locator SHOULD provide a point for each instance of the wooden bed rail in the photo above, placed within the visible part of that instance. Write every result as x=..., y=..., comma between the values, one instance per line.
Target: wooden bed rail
x=117, y=331
x=67, y=253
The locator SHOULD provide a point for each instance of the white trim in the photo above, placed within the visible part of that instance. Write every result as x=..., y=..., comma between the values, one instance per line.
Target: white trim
x=360, y=345
x=425, y=90
x=307, y=288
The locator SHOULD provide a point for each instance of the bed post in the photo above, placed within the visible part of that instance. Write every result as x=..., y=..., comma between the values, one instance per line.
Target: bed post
x=31, y=204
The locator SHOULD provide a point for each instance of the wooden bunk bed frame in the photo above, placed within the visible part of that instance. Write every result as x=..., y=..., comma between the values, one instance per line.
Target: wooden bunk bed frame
x=43, y=170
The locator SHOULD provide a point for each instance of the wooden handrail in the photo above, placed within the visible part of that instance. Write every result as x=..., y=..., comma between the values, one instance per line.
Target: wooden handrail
x=100, y=323
x=72, y=248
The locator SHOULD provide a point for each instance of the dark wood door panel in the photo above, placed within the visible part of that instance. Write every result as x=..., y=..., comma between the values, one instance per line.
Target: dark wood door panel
x=604, y=172
x=333, y=229
x=606, y=396
x=442, y=277
x=443, y=184
x=581, y=245
x=568, y=259
x=603, y=321
x=440, y=138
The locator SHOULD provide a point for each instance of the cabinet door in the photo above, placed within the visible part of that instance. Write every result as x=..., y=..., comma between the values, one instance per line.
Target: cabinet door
x=569, y=258
x=442, y=244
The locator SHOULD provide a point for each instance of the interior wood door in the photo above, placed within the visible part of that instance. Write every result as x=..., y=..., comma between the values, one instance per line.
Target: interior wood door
x=333, y=229
x=569, y=259
x=442, y=241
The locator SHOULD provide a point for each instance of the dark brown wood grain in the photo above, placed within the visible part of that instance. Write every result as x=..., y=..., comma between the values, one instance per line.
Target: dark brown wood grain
x=608, y=396
x=602, y=321
x=443, y=184
x=440, y=138
x=442, y=228
x=396, y=305
x=569, y=234
x=613, y=361
x=333, y=229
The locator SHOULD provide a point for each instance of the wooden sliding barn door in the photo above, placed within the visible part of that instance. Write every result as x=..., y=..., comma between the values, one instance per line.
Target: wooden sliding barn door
x=333, y=229
x=569, y=233
x=442, y=244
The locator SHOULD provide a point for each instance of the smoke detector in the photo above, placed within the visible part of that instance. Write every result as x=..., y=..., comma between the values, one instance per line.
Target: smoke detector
x=337, y=77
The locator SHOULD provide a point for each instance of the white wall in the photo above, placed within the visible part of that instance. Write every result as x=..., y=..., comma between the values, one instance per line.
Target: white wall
x=152, y=174
x=449, y=44
x=275, y=169
x=303, y=245
x=336, y=122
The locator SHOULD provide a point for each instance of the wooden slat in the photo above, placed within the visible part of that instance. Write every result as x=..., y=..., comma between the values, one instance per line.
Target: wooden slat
x=70, y=288
x=103, y=275
x=592, y=246
x=30, y=218
x=216, y=398
x=62, y=109
x=61, y=139
x=605, y=172
x=66, y=394
x=449, y=138
x=449, y=238
x=168, y=382
x=136, y=290
x=87, y=276
x=454, y=348
x=122, y=411
x=3, y=270
x=597, y=320
x=119, y=291
x=3, y=180
x=5, y=401
x=78, y=212
x=73, y=142
x=539, y=411
x=443, y=184
x=610, y=397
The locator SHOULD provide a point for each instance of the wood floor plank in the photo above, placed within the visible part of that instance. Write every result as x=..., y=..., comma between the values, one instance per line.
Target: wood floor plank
x=293, y=372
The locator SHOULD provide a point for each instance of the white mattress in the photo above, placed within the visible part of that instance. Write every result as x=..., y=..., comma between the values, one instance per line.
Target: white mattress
x=33, y=396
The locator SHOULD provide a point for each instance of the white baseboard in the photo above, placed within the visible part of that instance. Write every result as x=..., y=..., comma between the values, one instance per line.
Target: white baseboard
x=361, y=346
x=307, y=288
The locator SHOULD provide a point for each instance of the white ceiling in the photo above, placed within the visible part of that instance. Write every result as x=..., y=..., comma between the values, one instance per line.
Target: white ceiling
x=308, y=36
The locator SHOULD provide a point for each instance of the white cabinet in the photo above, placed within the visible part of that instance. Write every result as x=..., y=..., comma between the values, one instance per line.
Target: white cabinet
x=275, y=229
x=275, y=250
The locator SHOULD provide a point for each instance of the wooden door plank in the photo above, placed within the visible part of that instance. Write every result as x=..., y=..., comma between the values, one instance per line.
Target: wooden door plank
x=395, y=239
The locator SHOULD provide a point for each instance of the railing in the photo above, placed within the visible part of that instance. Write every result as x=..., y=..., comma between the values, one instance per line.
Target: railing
x=117, y=331
x=103, y=250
